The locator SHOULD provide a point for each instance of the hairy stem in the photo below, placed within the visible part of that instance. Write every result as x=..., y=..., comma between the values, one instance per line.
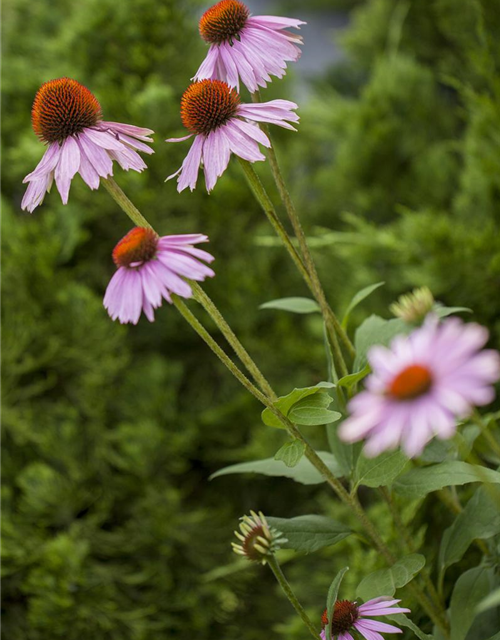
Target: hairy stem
x=287, y=590
x=260, y=193
x=301, y=237
x=121, y=199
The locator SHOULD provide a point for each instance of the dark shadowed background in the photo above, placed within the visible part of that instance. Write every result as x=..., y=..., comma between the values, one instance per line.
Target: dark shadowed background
x=111, y=530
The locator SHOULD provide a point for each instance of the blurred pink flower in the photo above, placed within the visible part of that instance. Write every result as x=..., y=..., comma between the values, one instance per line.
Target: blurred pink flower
x=252, y=48
x=348, y=616
x=68, y=117
x=150, y=268
x=421, y=385
x=212, y=111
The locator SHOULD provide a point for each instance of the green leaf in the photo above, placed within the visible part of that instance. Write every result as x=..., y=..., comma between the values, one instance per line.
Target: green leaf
x=376, y=330
x=285, y=403
x=310, y=533
x=479, y=519
x=380, y=471
x=353, y=378
x=386, y=581
x=332, y=598
x=470, y=589
x=491, y=600
x=359, y=297
x=442, y=311
x=417, y=483
x=303, y=472
x=312, y=410
x=294, y=305
x=291, y=453
x=403, y=621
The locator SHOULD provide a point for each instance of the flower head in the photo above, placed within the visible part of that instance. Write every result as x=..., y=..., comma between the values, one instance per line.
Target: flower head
x=413, y=307
x=349, y=616
x=68, y=117
x=421, y=386
x=150, y=269
x=252, y=48
x=258, y=539
x=212, y=112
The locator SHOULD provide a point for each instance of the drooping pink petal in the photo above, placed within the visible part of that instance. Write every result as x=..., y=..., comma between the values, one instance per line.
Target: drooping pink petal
x=190, y=167
x=97, y=156
x=47, y=164
x=216, y=154
x=86, y=170
x=68, y=165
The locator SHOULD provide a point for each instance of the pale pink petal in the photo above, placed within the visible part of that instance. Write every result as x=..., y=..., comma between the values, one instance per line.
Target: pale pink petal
x=208, y=66
x=35, y=192
x=275, y=22
x=376, y=625
x=47, y=164
x=86, y=170
x=97, y=156
x=191, y=166
x=129, y=129
x=68, y=165
x=216, y=154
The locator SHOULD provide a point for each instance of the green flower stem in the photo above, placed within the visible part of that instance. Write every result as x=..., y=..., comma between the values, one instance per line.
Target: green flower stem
x=301, y=237
x=117, y=194
x=310, y=453
x=287, y=590
x=261, y=195
x=203, y=299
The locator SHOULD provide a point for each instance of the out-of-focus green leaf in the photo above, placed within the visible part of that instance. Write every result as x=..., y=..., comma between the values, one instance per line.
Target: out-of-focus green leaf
x=479, y=519
x=359, y=297
x=293, y=305
x=375, y=331
x=419, y=482
x=470, y=589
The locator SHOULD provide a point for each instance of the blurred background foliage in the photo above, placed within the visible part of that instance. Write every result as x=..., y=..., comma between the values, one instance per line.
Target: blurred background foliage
x=110, y=528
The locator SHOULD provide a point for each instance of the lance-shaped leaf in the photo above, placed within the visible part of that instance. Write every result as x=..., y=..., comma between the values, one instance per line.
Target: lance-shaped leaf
x=417, y=483
x=359, y=297
x=293, y=305
x=304, y=472
x=310, y=533
x=470, y=589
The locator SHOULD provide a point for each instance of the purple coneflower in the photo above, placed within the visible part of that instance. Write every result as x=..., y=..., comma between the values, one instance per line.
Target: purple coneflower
x=252, y=48
x=349, y=616
x=421, y=385
x=150, y=268
x=68, y=117
x=212, y=111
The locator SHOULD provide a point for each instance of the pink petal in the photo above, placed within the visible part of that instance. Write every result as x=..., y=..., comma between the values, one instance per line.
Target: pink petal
x=47, y=164
x=68, y=165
